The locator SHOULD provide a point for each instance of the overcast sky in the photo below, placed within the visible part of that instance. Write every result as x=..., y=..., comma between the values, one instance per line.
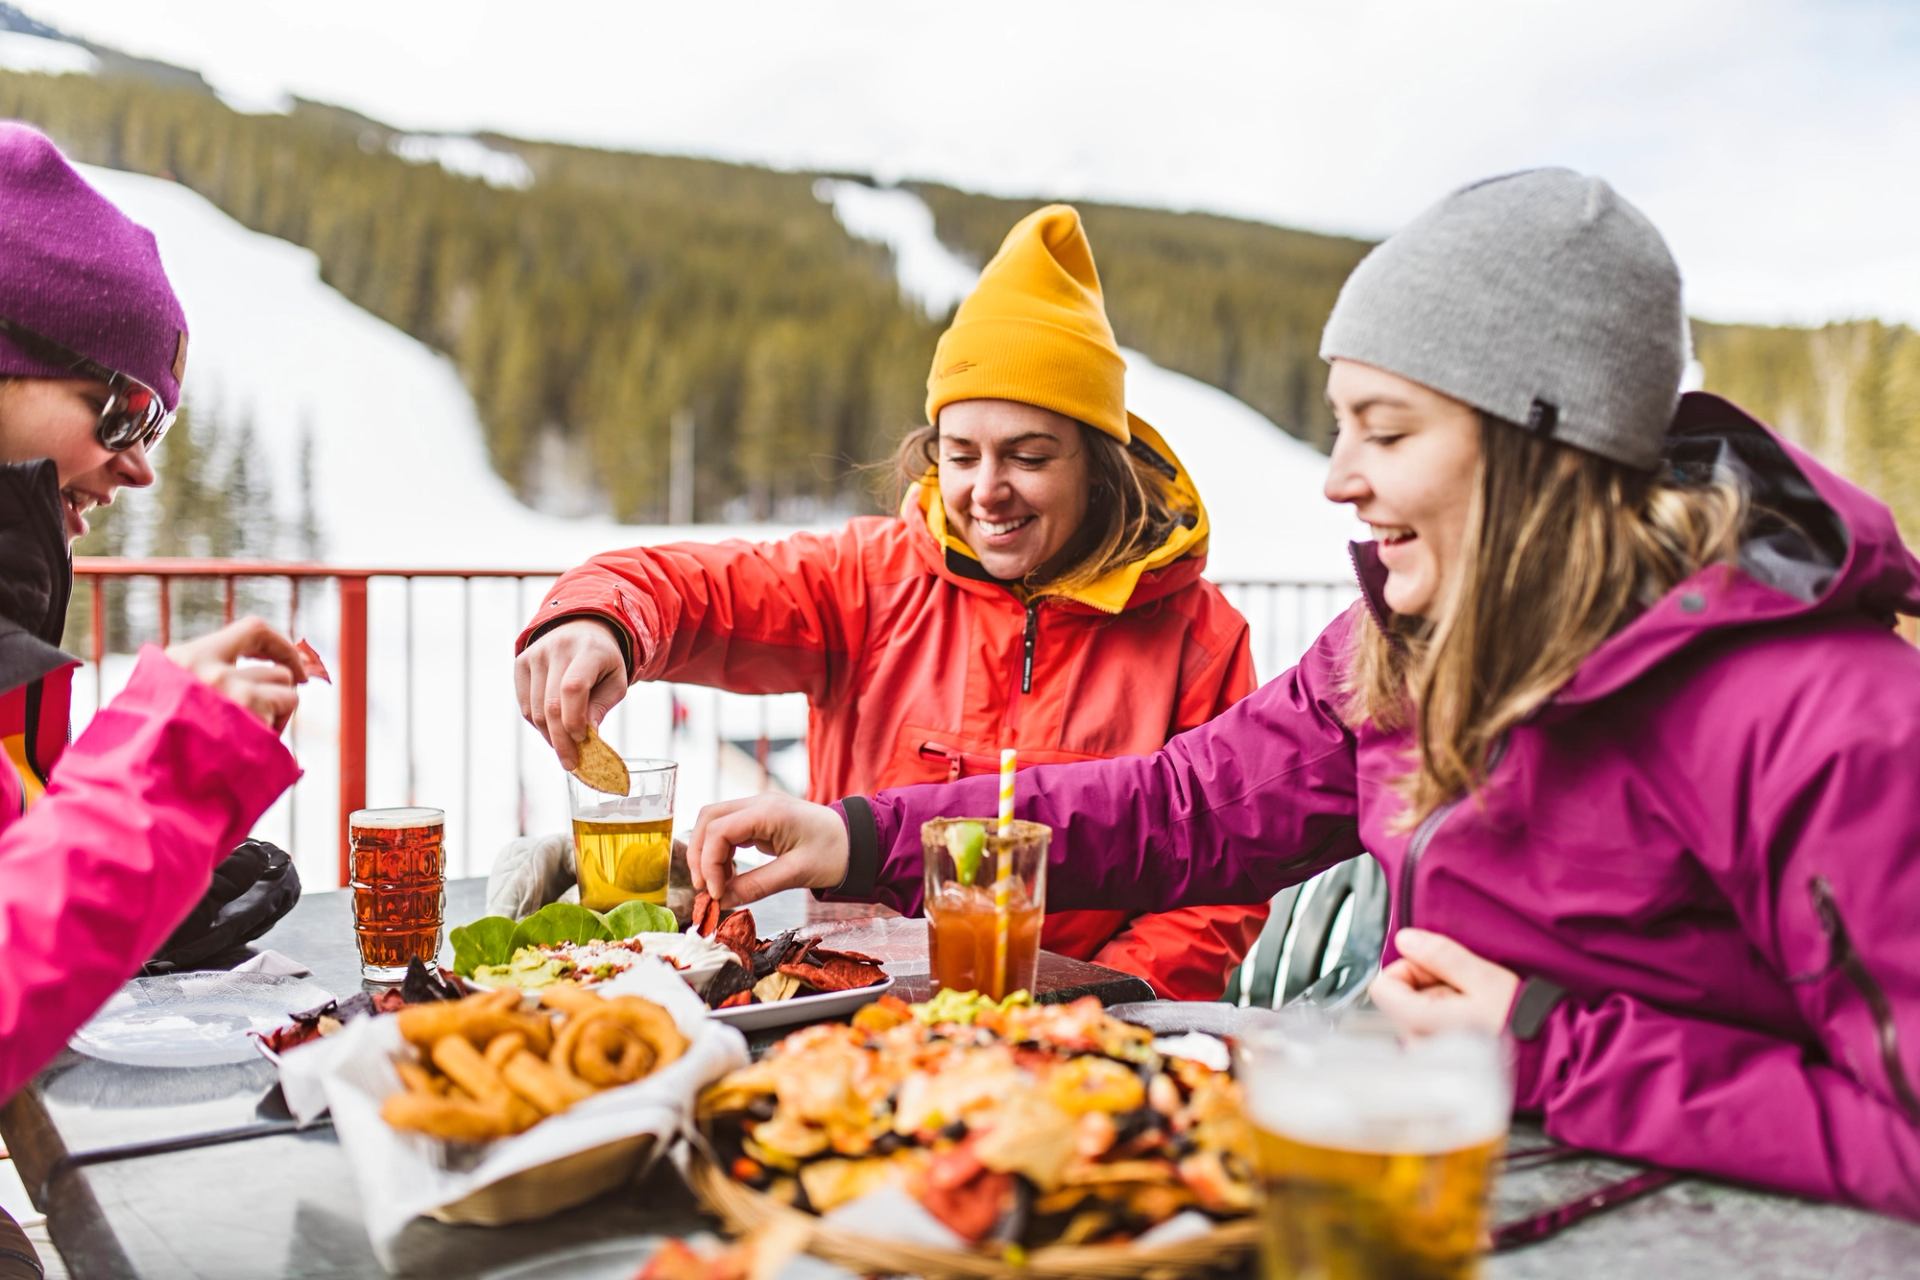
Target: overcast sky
x=1776, y=142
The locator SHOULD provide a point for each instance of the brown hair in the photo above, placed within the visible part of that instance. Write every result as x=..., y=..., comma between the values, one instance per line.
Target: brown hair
x=1131, y=508
x=1568, y=548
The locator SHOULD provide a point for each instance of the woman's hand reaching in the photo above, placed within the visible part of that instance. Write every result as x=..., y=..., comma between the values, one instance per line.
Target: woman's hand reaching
x=266, y=688
x=808, y=841
x=567, y=679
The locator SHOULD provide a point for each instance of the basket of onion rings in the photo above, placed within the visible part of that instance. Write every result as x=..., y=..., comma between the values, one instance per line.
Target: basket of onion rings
x=484, y=1111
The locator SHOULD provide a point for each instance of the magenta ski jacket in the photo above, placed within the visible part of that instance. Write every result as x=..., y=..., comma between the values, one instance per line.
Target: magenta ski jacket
x=1702, y=855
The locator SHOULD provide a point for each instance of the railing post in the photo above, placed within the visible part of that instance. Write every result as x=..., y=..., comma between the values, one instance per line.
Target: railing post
x=353, y=706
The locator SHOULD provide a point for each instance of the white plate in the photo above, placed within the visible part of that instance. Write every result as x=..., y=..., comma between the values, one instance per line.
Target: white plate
x=827, y=1004
x=701, y=958
x=194, y=1019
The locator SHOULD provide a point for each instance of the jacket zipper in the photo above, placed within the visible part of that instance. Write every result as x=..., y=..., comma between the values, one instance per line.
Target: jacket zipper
x=1423, y=835
x=1031, y=639
x=1841, y=955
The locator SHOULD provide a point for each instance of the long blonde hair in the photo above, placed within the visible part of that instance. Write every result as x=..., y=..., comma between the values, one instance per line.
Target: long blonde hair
x=1567, y=548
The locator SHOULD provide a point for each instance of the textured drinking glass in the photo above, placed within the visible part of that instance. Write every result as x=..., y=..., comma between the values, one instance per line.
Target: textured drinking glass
x=398, y=864
x=964, y=935
x=623, y=845
x=1374, y=1154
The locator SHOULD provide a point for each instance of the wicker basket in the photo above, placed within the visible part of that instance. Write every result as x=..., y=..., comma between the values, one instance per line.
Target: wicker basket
x=549, y=1188
x=745, y=1211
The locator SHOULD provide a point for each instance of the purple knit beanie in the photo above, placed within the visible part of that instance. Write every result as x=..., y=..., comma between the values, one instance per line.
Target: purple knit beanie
x=75, y=269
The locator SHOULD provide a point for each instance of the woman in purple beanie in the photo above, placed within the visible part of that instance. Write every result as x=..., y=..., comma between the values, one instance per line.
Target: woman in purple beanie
x=1621, y=712
x=105, y=844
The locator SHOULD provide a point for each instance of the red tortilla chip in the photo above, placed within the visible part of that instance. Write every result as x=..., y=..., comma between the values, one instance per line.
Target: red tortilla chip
x=310, y=662
x=738, y=998
x=836, y=972
x=737, y=931
x=706, y=915
x=967, y=1197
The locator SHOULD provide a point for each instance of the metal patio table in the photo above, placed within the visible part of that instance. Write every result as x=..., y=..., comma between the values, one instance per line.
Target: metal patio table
x=261, y=1200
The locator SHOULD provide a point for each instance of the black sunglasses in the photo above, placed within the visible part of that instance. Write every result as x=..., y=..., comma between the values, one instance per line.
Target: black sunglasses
x=133, y=414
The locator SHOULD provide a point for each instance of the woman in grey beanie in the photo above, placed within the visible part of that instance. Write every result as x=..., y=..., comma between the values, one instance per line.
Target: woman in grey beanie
x=1621, y=714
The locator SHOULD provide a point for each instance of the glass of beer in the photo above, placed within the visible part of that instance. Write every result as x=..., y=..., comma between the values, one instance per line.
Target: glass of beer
x=975, y=943
x=623, y=845
x=398, y=860
x=1375, y=1155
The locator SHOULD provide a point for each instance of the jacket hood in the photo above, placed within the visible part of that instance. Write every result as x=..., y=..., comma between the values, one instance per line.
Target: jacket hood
x=1815, y=545
x=36, y=573
x=1177, y=561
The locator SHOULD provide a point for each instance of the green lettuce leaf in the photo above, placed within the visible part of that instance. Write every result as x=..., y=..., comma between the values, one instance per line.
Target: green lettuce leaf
x=634, y=917
x=488, y=940
x=559, y=922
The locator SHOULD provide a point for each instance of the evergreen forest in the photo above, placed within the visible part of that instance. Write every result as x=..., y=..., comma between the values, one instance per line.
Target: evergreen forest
x=666, y=338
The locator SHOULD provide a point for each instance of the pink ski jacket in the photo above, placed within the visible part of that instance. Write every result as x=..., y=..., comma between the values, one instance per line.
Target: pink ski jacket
x=1702, y=855
x=168, y=777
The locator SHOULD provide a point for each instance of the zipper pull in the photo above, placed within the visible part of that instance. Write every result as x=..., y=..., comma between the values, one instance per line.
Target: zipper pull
x=938, y=752
x=1033, y=635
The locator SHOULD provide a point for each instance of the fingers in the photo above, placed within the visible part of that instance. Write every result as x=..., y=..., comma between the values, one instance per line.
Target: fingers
x=553, y=714
x=1410, y=1010
x=790, y=872
x=275, y=707
x=255, y=639
x=710, y=863
x=577, y=683
x=1446, y=960
x=523, y=686
x=567, y=679
x=606, y=695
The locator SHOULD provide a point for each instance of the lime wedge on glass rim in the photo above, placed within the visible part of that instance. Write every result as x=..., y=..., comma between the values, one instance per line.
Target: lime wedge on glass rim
x=967, y=842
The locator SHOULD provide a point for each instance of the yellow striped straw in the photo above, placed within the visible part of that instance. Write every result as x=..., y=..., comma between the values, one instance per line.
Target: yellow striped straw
x=1003, y=880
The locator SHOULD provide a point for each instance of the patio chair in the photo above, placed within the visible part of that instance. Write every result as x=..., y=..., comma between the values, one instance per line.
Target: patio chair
x=1322, y=942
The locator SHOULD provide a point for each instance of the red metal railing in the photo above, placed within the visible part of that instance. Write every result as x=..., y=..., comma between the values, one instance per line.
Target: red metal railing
x=348, y=665
x=1284, y=617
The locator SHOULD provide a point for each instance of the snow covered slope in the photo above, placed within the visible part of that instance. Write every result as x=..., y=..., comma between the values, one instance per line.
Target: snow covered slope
x=1261, y=485
x=401, y=478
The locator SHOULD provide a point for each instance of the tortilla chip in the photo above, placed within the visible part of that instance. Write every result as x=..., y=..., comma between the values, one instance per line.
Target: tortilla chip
x=310, y=662
x=775, y=987
x=601, y=766
x=736, y=932
x=706, y=915
x=836, y=973
x=831, y=1183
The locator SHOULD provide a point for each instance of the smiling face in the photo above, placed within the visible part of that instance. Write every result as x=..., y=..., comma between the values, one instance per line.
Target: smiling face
x=1014, y=480
x=1407, y=459
x=55, y=418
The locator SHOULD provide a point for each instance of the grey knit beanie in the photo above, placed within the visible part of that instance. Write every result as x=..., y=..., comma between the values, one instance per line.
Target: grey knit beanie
x=1541, y=297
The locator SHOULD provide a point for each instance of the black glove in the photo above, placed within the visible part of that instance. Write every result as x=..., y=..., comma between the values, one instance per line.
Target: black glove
x=252, y=887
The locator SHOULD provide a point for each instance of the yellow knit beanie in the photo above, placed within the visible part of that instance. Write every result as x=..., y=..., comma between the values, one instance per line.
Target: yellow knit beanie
x=1035, y=330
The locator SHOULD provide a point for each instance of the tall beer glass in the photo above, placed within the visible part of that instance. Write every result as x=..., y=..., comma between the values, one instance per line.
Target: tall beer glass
x=398, y=860
x=623, y=845
x=1375, y=1156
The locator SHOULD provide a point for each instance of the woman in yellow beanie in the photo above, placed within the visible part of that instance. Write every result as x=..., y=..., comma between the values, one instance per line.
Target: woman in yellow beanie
x=1040, y=589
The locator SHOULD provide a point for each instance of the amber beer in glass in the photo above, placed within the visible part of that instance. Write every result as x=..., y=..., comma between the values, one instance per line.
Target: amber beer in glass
x=398, y=861
x=962, y=921
x=623, y=845
x=1375, y=1156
